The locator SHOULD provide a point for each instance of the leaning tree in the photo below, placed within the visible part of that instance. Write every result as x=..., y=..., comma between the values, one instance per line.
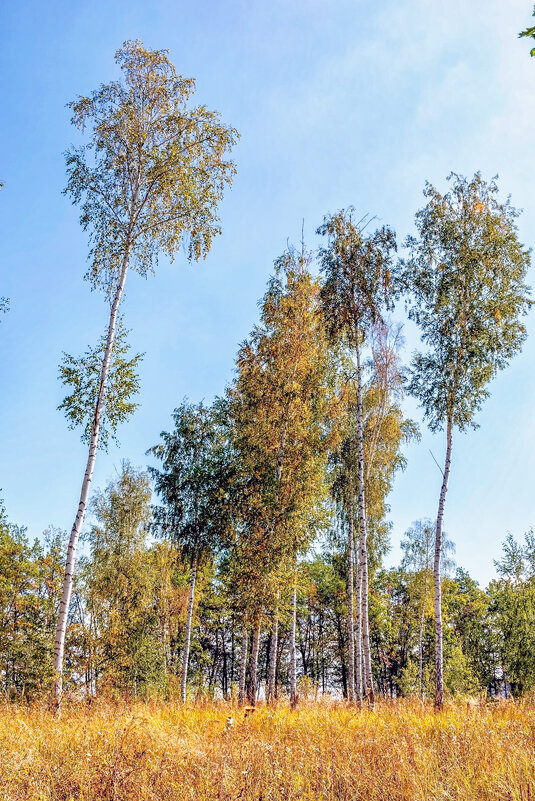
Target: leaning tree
x=149, y=179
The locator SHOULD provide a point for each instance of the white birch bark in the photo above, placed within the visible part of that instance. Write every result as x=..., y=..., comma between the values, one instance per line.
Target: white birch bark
x=358, y=635
x=187, y=645
x=421, y=639
x=243, y=666
x=59, y=643
x=350, y=612
x=363, y=538
x=439, y=667
x=253, y=678
x=272, y=677
x=293, y=662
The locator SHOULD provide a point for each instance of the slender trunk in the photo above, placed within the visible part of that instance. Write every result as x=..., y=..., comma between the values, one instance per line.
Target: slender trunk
x=363, y=538
x=366, y=651
x=232, y=654
x=342, y=655
x=421, y=641
x=59, y=643
x=243, y=667
x=185, y=660
x=350, y=612
x=272, y=677
x=358, y=636
x=224, y=667
x=439, y=667
x=253, y=678
x=293, y=664
x=280, y=650
x=215, y=663
x=322, y=647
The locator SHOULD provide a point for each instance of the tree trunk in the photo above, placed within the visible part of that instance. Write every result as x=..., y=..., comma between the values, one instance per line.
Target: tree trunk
x=439, y=667
x=243, y=667
x=224, y=675
x=358, y=636
x=59, y=643
x=232, y=654
x=185, y=660
x=253, y=678
x=293, y=664
x=272, y=674
x=342, y=655
x=350, y=611
x=421, y=640
x=363, y=538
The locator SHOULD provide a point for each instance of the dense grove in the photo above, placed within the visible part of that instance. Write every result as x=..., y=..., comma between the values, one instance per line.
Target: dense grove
x=247, y=561
x=128, y=618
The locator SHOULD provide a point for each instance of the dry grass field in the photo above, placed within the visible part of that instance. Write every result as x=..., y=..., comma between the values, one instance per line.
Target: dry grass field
x=152, y=751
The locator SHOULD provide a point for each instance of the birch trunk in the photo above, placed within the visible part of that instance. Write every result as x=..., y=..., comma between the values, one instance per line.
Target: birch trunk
x=61, y=627
x=224, y=667
x=293, y=663
x=358, y=636
x=363, y=538
x=253, y=679
x=366, y=651
x=185, y=659
x=272, y=676
x=439, y=667
x=350, y=613
x=243, y=667
x=421, y=640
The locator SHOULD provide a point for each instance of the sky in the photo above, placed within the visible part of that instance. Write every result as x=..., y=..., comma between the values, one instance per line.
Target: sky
x=338, y=102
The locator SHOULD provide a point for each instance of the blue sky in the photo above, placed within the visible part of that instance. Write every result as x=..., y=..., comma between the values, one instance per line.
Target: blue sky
x=338, y=102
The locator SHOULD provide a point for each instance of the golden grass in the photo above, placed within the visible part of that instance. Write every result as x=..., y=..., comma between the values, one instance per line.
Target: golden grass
x=325, y=751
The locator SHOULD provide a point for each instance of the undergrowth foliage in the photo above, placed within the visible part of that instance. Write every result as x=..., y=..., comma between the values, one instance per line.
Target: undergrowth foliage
x=318, y=751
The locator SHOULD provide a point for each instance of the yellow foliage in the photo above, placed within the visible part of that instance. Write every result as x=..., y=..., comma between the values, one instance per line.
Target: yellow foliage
x=327, y=750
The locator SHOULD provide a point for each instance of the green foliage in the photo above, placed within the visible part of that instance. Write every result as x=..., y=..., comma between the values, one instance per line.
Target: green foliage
x=83, y=375
x=529, y=32
x=470, y=627
x=404, y=618
x=357, y=275
x=193, y=482
x=119, y=583
x=512, y=603
x=466, y=278
x=459, y=678
x=409, y=679
x=29, y=592
x=153, y=170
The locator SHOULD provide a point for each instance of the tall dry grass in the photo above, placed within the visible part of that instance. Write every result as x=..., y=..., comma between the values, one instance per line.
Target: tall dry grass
x=323, y=751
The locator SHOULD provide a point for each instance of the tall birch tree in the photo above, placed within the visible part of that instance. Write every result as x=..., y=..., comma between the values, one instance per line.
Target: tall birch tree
x=465, y=279
x=384, y=431
x=356, y=292
x=149, y=179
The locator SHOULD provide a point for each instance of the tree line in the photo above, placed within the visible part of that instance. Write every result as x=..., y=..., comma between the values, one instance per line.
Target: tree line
x=127, y=627
x=259, y=558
